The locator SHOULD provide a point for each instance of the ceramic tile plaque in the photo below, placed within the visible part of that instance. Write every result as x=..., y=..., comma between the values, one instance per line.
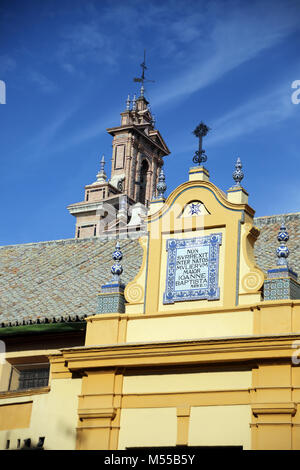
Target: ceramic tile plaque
x=192, y=269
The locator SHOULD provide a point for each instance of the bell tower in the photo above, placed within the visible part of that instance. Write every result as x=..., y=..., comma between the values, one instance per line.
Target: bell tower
x=138, y=150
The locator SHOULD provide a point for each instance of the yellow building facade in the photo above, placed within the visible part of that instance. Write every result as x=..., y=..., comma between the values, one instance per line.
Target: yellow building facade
x=198, y=356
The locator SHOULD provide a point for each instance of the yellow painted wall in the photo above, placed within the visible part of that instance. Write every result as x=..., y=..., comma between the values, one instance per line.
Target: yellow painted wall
x=148, y=427
x=15, y=415
x=212, y=325
x=5, y=369
x=53, y=416
x=220, y=426
x=187, y=382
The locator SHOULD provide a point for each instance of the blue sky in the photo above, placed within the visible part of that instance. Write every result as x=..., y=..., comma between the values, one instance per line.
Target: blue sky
x=68, y=67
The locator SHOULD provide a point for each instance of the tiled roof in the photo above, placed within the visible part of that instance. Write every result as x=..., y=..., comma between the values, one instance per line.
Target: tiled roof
x=265, y=247
x=59, y=280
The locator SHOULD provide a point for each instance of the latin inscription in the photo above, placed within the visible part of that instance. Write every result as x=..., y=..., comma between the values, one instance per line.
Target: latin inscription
x=192, y=269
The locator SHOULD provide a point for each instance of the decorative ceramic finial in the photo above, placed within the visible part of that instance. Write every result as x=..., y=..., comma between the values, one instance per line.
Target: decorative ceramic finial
x=117, y=268
x=102, y=163
x=134, y=102
x=282, y=251
x=200, y=131
x=128, y=103
x=238, y=174
x=101, y=176
x=161, y=185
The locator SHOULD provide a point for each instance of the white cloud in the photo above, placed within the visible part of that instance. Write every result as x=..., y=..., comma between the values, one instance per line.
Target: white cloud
x=211, y=39
x=44, y=83
x=236, y=36
x=88, y=132
x=7, y=64
x=254, y=115
x=257, y=114
x=42, y=143
x=86, y=42
x=68, y=68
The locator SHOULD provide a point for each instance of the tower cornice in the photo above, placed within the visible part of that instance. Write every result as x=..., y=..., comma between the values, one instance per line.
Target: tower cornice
x=163, y=147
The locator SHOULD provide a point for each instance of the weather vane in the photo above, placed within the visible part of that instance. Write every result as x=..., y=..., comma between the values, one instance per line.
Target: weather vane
x=142, y=79
x=200, y=131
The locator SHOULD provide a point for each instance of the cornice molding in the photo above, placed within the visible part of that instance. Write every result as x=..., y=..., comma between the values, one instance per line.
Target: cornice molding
x=87, y=413
x=274, y=408
x=241, y=349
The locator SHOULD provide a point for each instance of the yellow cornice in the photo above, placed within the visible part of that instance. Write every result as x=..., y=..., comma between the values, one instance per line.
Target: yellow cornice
x=274, y=408
x=196, y=311
x=96, y=413
x=207, y=351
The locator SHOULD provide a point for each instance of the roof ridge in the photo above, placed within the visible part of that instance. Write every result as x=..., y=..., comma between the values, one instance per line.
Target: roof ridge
x=276, y=215
x=63, y=240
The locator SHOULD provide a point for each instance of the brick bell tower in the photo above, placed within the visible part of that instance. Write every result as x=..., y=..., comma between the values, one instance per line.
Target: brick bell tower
x=137, y=157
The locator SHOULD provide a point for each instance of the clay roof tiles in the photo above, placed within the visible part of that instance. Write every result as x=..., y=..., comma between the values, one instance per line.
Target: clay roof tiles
x=59, y=280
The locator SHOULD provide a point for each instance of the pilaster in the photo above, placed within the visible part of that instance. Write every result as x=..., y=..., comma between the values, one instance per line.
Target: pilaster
x=99, y=410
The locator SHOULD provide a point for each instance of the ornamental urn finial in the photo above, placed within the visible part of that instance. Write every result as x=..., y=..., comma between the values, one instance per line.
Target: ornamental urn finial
x=200, y=132
x=282, y=251
x=134, y=103
x=101, y=176
x=117, y=268
x=128, y=103
x=238, y=173
x=161, y=185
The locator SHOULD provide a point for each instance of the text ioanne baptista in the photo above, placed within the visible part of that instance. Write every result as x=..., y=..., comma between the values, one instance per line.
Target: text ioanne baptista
x=192, y=268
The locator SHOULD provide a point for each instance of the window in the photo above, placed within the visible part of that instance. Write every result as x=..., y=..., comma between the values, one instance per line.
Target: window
x=33, y=378
x=27, y=376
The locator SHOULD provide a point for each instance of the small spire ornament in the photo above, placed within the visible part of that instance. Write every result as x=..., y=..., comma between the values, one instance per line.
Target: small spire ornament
x=128, y=103
x=117, y=268
x=238, y=173
x=200, y=132
x=134, y=103
x=101, y=176
x=161, y=185
x=282, y=251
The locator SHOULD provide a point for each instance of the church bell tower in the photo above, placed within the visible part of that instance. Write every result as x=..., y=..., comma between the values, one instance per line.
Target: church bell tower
x=138, y=150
